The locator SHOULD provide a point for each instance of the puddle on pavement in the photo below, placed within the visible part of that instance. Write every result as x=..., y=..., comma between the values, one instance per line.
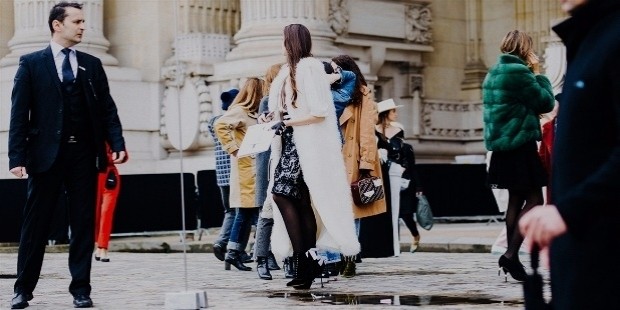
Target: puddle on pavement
x=394, y=300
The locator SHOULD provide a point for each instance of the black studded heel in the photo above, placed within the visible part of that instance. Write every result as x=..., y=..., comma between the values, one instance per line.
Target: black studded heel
x=310, y=265
x=516, y=270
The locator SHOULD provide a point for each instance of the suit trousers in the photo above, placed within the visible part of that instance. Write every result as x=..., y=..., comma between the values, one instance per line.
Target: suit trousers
x=74, y=167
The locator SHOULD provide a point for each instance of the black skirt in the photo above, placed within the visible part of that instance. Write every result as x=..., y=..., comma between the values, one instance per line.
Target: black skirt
x=288, y=179
x=518, y=169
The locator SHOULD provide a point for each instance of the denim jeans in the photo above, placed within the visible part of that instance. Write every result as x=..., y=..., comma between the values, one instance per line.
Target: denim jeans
x=229, y=217
x=240, y=232
x=262, y=248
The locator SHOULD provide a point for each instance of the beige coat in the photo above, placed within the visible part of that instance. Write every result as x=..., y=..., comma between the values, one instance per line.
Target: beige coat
x=230, y=130
x=360, y=147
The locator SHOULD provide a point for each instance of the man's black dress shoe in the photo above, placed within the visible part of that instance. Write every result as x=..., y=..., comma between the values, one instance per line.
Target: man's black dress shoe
x=82, y=301
x=20, y=300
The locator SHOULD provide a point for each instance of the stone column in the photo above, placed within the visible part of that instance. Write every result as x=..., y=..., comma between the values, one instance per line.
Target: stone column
x=32, y=31
x=205, y=28
x=475, y=70
x=262, y=22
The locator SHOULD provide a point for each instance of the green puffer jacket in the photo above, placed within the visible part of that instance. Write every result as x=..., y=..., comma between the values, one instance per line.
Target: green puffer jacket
x=513, y=97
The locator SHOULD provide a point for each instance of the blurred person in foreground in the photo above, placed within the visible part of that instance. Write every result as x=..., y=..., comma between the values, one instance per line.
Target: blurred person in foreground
x=580, y=234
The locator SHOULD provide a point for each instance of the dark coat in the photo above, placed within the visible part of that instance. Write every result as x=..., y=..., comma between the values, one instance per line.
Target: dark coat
x=513, y=97
x=37, y=111
x=586, y=161
x=408, y=198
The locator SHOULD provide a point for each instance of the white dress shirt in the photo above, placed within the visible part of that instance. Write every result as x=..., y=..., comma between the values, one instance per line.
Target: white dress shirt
x=59, y=57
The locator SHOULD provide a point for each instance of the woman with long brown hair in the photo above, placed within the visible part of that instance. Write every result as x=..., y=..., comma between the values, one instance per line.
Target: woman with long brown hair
x=309, y=185
x=359, y=151
x=230, y=130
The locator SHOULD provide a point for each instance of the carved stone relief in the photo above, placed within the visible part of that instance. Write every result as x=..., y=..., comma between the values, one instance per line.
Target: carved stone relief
x=452, y=120
x=418, y=22
x=338, y=16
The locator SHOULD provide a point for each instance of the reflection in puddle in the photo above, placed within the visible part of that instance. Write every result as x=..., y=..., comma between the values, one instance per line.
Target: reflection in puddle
x=395, y=300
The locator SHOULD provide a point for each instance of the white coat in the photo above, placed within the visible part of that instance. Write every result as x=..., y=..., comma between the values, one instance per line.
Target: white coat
x=320, y=157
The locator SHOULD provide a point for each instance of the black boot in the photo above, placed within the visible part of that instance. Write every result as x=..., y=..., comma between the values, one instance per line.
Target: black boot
x=261, y=267
x=293, y=267
x=289, y=268
x=232, y=257
x=272, y=264
x=219, y=250
x=307, y=270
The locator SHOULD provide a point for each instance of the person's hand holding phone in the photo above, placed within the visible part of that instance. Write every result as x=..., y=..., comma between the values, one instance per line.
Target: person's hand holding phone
x=265, y=117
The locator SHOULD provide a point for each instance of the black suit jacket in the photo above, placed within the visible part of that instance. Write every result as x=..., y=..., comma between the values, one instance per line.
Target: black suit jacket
x=586, y=161
x=37, y=111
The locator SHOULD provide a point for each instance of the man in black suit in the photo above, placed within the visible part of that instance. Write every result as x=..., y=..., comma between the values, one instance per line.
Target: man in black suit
x=62, y=115
x=581, y=232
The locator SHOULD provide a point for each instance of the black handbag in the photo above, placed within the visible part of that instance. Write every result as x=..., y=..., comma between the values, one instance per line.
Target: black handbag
x=533, y=286
x=367, y=189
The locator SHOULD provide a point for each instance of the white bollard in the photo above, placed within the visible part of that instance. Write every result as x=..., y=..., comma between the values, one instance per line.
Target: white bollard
x=190, y=300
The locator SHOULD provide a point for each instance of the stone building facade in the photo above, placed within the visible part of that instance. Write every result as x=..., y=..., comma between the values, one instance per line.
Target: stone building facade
x=168, y=61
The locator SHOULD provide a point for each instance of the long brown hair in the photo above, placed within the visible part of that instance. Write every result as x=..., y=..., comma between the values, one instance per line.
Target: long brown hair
x=347, y=63
x=298, y=44
x=383, y=120
x=517, y=43
x=270, y=75
x=250, y=95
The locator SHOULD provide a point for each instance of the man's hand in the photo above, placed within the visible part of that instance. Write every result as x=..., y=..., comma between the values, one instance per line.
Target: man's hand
x=540, y=226
x=19, y=171
x=119, y=157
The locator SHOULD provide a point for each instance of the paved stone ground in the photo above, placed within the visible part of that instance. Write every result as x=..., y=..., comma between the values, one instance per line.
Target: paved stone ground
x=141, y=280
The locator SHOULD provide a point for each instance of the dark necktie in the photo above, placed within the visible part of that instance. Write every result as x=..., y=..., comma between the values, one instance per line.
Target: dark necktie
x=67, y=72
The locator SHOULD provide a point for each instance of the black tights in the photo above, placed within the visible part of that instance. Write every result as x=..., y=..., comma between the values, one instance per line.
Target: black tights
x=413, y=228
x=519, y=203
x=299, y=221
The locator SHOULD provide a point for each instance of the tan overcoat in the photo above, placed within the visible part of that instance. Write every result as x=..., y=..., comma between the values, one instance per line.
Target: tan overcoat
x=360, y=147
x=230, y=130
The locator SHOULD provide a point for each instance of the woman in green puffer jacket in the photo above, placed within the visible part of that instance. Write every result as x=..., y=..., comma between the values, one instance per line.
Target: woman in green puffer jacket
x=514, y=95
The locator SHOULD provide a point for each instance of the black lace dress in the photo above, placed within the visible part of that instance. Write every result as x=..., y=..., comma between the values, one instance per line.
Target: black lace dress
x=288, y=177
